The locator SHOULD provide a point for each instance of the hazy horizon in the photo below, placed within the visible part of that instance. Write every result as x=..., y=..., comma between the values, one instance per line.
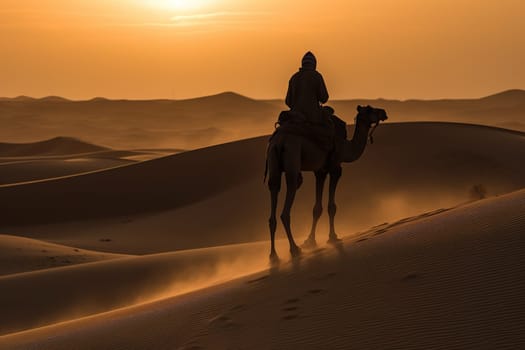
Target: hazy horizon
x=259, y=99
x=156, y=49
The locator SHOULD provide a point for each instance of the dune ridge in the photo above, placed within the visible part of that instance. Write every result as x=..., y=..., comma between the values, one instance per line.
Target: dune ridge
x=39, y=170
x=20, y=254
x=52, y=147
x=411, y=167
x=63, y=156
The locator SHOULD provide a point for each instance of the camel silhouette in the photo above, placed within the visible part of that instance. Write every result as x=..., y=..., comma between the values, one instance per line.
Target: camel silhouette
x=292, y=153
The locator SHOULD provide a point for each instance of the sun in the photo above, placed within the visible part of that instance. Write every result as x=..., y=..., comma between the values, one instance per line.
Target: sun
x=180, y=5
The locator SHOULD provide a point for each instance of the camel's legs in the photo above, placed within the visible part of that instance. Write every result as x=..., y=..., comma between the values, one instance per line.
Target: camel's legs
x=320, y=178
x=273, y=223
x=291, y=189
x=274, y=184
x=335, y=174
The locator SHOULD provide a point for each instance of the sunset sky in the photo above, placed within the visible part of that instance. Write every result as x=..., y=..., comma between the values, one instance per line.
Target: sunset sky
x=179, y=49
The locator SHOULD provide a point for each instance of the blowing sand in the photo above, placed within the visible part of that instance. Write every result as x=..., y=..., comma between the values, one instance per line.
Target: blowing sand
x=172, y=253
x=449, y=279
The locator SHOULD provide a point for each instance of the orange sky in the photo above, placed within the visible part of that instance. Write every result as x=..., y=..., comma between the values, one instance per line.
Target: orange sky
x=179, y=49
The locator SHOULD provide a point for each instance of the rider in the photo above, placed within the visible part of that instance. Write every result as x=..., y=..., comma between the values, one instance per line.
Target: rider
x=307, y=90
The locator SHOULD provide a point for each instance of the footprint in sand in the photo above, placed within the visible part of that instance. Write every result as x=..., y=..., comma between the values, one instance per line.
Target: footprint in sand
x=411, y=277
x=290, y=313
x=292, y=301
x=325, y=276
x=290, y=308
x=290, y=317
x=316, y=291
x=221, y=321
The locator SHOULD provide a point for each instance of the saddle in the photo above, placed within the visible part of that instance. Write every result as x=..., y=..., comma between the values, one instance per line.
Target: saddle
x=323, y=134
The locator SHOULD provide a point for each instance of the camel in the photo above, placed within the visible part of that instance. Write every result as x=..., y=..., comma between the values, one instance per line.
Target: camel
x=292, y=153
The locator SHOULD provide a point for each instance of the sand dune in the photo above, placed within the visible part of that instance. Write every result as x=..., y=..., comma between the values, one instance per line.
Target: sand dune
x=159, y=184
x=52, y=147
x=63, y=156
x=450, y=279
x=210, y=120
x=504, y=109
x=19, y=254
x=127, y=124
x=80, y=290
x=412, y=167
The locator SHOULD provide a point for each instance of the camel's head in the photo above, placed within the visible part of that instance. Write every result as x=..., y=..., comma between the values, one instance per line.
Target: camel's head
x=371, y=115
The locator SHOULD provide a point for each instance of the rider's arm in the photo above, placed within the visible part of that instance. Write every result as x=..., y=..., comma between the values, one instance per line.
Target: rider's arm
x=322, y=93
x=289, y=95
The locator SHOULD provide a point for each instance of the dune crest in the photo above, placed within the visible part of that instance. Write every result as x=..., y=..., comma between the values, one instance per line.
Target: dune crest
x=20, y=254
x=52, y=147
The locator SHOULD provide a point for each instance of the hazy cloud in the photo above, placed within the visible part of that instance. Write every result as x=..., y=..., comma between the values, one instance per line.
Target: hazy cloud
x=210, y=19
x=223, y=17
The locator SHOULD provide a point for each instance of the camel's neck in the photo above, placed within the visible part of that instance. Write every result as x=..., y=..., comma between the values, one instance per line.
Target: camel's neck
x=353, y=149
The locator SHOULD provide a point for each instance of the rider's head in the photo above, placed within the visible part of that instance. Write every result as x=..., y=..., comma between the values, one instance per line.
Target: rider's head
x=309, y=61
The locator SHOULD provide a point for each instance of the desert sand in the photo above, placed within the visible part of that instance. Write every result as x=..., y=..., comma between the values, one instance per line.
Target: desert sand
x=447, y=279
x=149, y=249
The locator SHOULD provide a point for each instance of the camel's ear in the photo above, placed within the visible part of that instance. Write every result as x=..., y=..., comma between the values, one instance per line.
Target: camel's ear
x=359, y=108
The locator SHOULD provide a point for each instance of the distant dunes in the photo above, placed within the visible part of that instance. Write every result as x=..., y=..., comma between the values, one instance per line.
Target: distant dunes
x=53, y=147
x=505, y=109
x=514, y=96
x=63, y=156
x=209, y=120
x=507, y=96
